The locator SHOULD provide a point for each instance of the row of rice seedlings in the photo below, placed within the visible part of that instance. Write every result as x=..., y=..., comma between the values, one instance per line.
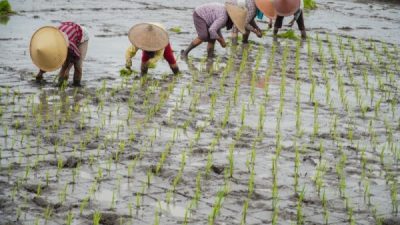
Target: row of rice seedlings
x=324, y=69
x=228, y=173
x=177, y=178
x=195, y=199
x=376, y=70
x=250, y=162
x=164, y=154
x=318, y=179
x=238, y=75
x=391, y=178
x=391, y=84
x=254, y=76
x=340, y=166
x=365, y=180
x=251, y=182
x=278, y=146
x=320, y=171
x=310, y=71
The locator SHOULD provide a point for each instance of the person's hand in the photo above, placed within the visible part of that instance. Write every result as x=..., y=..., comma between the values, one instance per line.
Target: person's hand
x=222, y=42
x=258, y=32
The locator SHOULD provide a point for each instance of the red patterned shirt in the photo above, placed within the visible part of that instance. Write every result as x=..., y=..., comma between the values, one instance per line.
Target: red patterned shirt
x=74, y=34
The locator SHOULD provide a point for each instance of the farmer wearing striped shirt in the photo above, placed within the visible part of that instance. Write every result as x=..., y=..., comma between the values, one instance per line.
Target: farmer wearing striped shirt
x=77, y=38
x=209, y=19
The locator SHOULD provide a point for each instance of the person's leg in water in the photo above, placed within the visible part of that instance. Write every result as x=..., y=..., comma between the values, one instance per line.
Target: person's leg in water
x=234, y=35
x=246, y=37
x=278, y=24
x=39, y=76
x=64, y=72
x=169, y=56
x=78, y=64
x=202, y=34
x=196, y=42
x=144, y=66
x=210, y=48
x=300, y=24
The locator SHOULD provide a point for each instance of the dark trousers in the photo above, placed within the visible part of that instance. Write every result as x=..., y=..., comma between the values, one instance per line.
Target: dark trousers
x=299, y=21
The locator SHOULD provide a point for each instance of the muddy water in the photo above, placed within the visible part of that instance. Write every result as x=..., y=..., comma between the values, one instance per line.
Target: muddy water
x=140, y=150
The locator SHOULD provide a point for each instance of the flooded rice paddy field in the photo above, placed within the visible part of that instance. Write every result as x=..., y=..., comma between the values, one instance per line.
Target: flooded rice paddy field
x=285, y=132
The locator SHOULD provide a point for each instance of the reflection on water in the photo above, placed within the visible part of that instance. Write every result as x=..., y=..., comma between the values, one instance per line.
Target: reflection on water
x=4, y=20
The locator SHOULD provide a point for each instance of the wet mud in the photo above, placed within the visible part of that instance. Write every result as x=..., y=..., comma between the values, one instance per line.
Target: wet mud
x=272, y=132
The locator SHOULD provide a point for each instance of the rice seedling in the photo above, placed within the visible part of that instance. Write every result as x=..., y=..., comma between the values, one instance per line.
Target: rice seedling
x=261, y=119
x=48, y=212
x=216, y=207
x=84, y=204
x=96, y=218
x=157, y=216
x=299, y=209
x=290, y=34
x=69, y=219
x=316, y=123
x=244, y=212
x=393, y=195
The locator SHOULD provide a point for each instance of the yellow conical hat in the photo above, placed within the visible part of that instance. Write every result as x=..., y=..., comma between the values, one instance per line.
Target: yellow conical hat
x=148, y=36
x=238, y=16
x=48, y=48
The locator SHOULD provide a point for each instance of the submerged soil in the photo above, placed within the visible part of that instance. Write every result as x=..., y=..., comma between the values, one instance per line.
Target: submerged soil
x=308, y=129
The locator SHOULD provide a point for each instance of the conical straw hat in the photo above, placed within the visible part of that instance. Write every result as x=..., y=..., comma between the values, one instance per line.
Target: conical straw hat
x=266, y=7
x=48, y=48
x=148, y=36
x=238, y=15
x=286, y=7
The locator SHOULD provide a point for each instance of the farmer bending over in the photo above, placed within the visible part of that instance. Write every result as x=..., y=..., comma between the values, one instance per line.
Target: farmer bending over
x=209, y=19
x=153, y=39
x=288, y=8
x=52, y=48
x=250, y=24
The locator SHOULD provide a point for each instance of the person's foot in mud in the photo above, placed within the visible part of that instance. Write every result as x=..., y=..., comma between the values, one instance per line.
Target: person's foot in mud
x=303, y=34
x=77, y=84
x=175, y=68
x=39, y=77
x=184, y=56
